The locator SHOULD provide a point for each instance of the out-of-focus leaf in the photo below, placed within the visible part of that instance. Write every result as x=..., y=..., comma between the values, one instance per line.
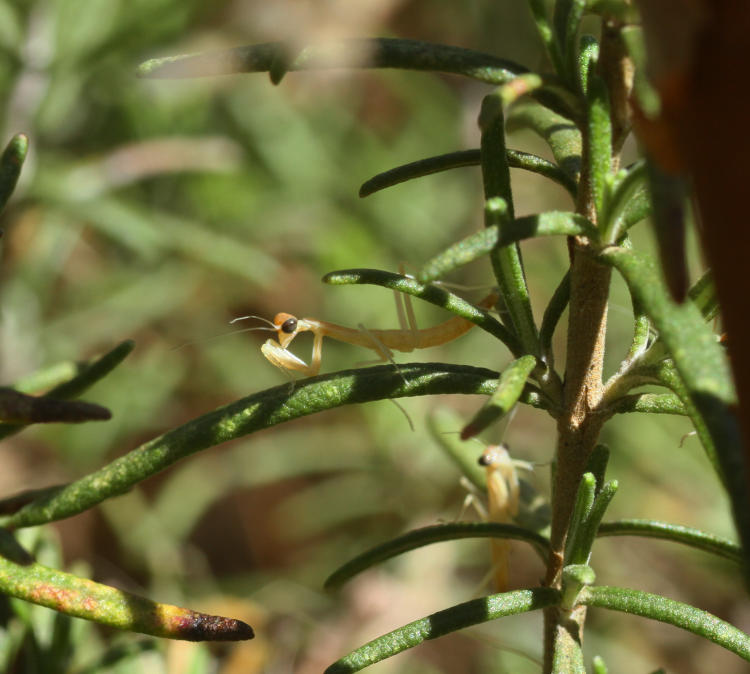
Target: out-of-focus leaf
x=11, y=162
x=82, y=27
x=19, y=408
x=85, y=377
x=151, y=233
x=11, y=30
x=368, y=53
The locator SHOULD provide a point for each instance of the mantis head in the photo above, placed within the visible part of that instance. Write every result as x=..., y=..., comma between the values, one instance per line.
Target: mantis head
x=288, y=327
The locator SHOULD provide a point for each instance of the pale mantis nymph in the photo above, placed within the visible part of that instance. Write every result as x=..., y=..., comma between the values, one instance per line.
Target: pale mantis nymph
x=287, y=327
x=503, y=494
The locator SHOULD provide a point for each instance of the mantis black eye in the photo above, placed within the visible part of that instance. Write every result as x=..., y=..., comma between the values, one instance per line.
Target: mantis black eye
x=493, y=454
x=289, y=325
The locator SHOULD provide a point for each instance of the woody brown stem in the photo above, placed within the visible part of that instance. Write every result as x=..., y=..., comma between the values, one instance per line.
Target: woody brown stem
x=578, y=426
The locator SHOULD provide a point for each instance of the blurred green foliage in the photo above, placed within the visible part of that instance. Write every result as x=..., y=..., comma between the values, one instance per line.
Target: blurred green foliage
x=159, y=210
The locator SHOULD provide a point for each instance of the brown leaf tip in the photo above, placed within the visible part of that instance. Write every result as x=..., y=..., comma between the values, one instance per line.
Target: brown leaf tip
x=469, y=431
x=204, y=627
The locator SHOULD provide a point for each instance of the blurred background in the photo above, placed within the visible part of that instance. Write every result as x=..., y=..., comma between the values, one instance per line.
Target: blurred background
x=160, y=210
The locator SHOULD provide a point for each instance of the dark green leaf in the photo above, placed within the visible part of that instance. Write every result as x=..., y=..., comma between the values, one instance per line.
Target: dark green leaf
x=509, y=389
x=628, y=188
x=638, y=208
x=452, y=160
x=483, y=242
x=588, y=55
x=587, y=535
x=581, y=510
x=600, y=140
x=566, y=20
x=560, y=133
x=442, y=623
x=418, y=169
x=261, y=410
x=650, y=403
x=506, y=260
x=544, y=28
x=93, y=372
x=552, y=314
x=671, y=612
x=434, y=534
x=675, y=533
x=597, y=466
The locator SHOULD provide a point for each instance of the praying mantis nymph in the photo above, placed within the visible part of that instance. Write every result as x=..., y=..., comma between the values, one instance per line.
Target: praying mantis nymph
x=287, y=327
x=503, y=494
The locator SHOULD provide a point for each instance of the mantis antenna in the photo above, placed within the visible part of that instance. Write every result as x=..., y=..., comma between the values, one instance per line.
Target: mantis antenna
x=231, y=332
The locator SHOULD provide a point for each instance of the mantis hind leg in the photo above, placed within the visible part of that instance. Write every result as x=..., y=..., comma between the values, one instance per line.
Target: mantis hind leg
x=386, y=355
x=407, y=321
